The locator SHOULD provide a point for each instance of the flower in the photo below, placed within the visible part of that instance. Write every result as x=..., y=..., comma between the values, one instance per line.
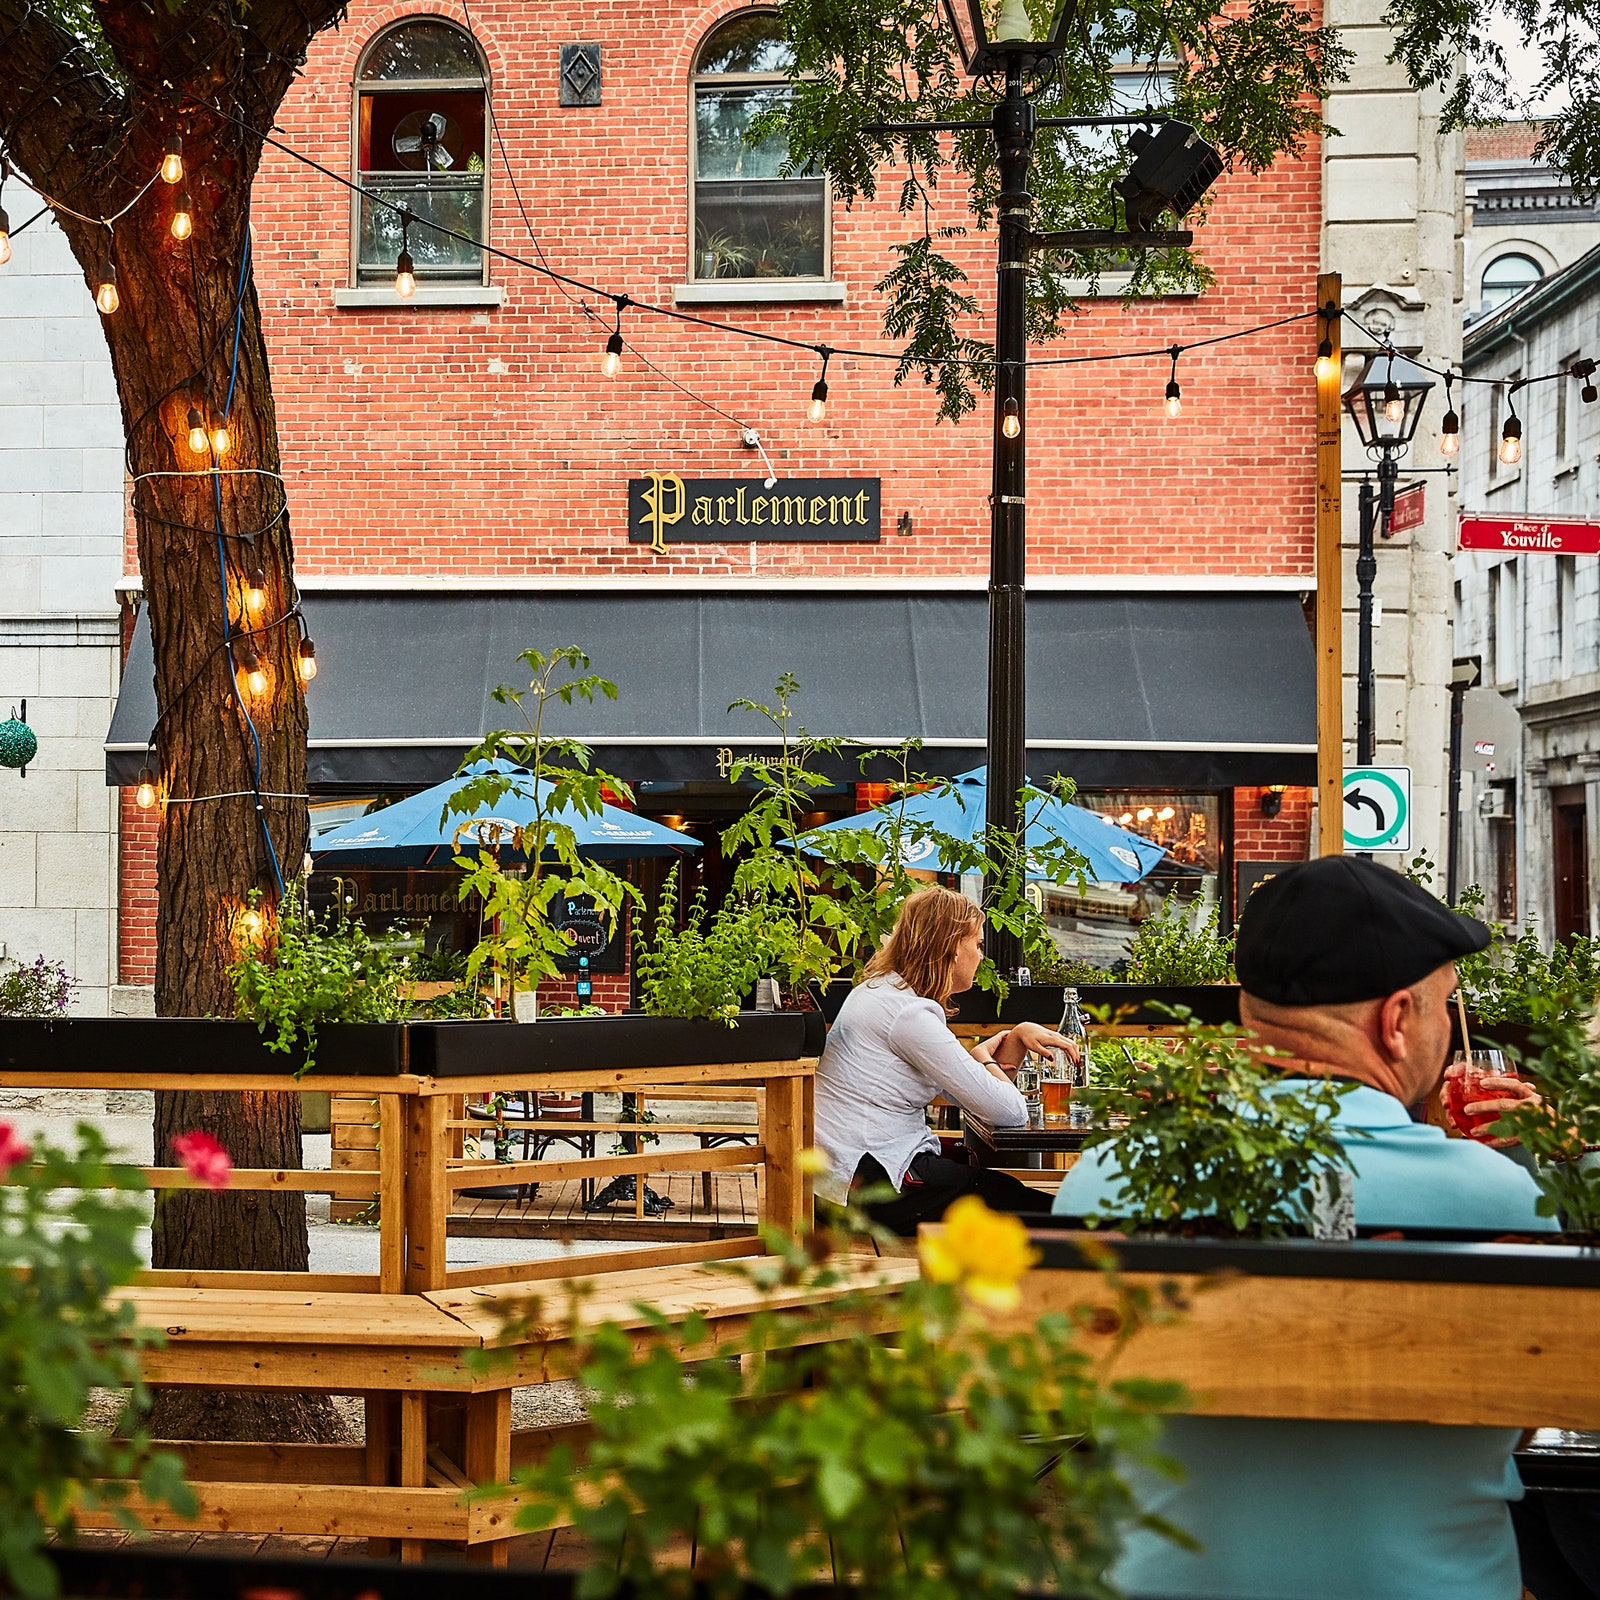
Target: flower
x=813, y=1162
x=985, y=1251
x=203, y=1158
x=14, y=1149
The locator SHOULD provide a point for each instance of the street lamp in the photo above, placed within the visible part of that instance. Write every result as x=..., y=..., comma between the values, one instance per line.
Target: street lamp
x=1171, y=171
x=1385, y=403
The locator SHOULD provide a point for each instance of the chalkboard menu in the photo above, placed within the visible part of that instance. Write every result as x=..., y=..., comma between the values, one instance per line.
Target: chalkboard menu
x=576, y=916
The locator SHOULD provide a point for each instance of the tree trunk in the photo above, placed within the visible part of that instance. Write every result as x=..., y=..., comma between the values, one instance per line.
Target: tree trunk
x=88, y=125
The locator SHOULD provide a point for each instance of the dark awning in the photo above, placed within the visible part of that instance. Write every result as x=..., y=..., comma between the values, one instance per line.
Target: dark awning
x=1174, y=690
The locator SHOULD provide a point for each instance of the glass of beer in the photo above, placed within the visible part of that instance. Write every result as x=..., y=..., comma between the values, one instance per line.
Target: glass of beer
x=1057, y=1091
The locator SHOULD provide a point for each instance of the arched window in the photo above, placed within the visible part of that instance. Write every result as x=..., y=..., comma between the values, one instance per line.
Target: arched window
x=419, y=143
x=1506, y=276
x=750, y=222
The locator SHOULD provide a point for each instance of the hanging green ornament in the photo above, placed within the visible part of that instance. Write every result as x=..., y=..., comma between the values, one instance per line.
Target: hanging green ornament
x=19, y=744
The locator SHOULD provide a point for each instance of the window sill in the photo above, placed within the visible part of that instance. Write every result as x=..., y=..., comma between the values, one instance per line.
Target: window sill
x=383, y=298
x=1565, y=470
x=758, y=291
x=1504, y=481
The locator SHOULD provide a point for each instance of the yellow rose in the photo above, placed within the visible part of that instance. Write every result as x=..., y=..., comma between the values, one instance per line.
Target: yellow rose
x=813, y=1162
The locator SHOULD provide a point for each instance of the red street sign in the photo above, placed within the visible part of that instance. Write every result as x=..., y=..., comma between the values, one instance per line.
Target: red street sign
x=1408, y=507
x=1554, y=536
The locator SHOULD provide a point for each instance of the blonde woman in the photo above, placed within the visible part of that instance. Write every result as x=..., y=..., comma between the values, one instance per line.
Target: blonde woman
x=891, y=1052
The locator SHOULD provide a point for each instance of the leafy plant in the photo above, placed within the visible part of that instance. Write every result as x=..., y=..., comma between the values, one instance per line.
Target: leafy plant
x=42, y=989
x=307, y=970
x=1507, y=981
x=68, y=1237
x=1217, y=1141
x=523, y=943
x=1557, y=1128
x=950, y=1466
x=704, y=969
x=1049, y=965
x=1172, y=947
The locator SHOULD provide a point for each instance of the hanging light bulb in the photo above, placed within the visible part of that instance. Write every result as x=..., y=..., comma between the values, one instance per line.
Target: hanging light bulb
x=105, y=294
x=250, y=668
x=183, y=217
x=255, y=594
x=306, y=661
x=1325, y=363
x=1583, y=370
x=611, y=361
x=1173, y=402
x=818, y=408
x=405, y=272
x=1511, y=440
x=5, y=237
x=1394, y=408
x=251, y=925
x=172, y=161
x=1010, y=420
x=199, y=439
x=145, y=795
x=220, y=441
x=1450, y=428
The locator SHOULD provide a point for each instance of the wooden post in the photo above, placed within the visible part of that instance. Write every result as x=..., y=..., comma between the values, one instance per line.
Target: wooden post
x=783, y=1202
x=391, y=1194
x=486, y=1458
x=414, y=1448
x=427, y=1194
x=1330, y=586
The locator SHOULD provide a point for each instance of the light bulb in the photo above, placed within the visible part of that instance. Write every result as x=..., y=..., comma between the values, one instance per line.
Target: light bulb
x=199, y=439
x=306, y=661
x=818, y=409
x=172, y=161
x=1165, y=814
x=1394, y=408
x=255, y=594
x=1173, y=403
x=145, y=795
x=106, y=296
x=5, y=237
x=405, y=276
x=1125, y=818
x=250, y=668
x=257, y=679
x=1326, y=365
x=611, y=361
x=1146, y=812
x=1511, y=446
x=1010, y=421
x=1450, y=434
x=219, y=439
x=1588, y=392
x=183, y=217
x=251, y=924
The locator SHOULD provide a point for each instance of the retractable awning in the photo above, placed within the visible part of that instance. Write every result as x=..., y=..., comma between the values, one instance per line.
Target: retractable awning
x=1174, y=690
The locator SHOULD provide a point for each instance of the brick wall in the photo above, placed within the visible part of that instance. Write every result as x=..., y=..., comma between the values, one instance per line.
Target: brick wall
x=136, y=916
x=1285, y=837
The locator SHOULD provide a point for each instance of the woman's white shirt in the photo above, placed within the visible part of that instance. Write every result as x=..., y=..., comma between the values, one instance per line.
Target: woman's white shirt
x=888, y=1055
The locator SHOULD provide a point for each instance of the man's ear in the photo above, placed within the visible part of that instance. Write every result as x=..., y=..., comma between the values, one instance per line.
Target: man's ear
x=1393, y=1016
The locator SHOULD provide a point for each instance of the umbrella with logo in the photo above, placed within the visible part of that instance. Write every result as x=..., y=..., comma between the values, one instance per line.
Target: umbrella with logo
x=414, y=832
x=1114, y=855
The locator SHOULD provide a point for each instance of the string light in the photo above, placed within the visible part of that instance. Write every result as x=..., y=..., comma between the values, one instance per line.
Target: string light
x=5, y=235
x=405, y=272
x=105, y=294
x=183, y=217
x=611, y=361
x=199, y=439
x=251, y=924
x=1450, y=428
x=818, y=408
x=172, y=161
x=306, y=661
x=1010, y=419
x=1174, y=397
x=145, y=795
x=1394, y=407
x=1325, y=363
x=249, y=666
x=256, y=594
x=220, y=440
x=1511, y=434
x=1583, y=370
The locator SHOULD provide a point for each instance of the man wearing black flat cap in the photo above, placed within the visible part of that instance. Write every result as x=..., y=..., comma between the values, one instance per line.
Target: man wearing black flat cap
x=1348, y=968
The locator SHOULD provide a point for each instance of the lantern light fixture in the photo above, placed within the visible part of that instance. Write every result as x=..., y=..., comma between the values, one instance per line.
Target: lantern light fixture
x=1367, y=401
x=1013, y=29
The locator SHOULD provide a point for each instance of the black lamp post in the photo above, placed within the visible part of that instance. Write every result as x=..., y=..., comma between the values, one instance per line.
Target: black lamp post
x=1385, y=403
x=1172, y=169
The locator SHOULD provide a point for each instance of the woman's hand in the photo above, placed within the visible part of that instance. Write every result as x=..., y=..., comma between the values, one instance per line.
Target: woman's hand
x=1011, y=1046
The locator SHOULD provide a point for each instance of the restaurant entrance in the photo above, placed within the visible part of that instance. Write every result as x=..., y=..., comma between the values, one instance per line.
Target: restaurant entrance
x=1569, y=858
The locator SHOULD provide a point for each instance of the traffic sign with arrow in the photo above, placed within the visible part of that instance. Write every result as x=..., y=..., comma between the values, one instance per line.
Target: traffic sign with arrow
x=1377, y=808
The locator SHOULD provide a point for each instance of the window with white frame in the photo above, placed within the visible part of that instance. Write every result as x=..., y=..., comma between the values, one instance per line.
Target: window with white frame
x=420, y=130
x=749, y=221
x=1506, y=277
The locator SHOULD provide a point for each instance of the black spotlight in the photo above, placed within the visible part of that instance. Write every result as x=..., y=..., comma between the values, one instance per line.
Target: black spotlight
x=1172, y=168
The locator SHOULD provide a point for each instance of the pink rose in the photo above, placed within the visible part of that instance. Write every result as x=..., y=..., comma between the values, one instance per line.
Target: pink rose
x=14, y=1149
x=203, y=1159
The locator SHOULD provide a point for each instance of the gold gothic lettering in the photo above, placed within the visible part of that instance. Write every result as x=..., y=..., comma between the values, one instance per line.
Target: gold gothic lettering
x=663, y=502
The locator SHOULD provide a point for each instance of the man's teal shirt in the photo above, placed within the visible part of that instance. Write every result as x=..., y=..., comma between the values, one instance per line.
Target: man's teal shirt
x=1343, y=1510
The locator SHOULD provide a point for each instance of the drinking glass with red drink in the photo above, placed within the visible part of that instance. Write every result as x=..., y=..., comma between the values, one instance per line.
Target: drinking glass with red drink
x=1469, y=1080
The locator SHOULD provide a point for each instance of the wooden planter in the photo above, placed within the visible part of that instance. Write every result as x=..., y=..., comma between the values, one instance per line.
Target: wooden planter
x=1502, y=1335
x=1043, y=1002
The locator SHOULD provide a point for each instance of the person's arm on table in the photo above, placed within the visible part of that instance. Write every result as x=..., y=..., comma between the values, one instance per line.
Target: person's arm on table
x=974, y=1082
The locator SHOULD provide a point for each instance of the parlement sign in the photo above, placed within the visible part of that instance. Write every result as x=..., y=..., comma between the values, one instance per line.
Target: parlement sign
x=1555, y=536
x=665, y=509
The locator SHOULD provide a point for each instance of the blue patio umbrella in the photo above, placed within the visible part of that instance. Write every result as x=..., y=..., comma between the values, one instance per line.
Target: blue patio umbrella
x=1114, y=855
x=410, y=833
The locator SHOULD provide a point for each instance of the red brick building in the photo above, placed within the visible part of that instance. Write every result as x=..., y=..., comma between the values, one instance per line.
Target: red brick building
x=459, y=466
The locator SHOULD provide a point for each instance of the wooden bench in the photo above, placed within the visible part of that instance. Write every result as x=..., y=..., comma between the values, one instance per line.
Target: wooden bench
x=437, y=1424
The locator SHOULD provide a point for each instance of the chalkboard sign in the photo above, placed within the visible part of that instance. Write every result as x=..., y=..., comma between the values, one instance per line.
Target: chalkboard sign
x=576, y=916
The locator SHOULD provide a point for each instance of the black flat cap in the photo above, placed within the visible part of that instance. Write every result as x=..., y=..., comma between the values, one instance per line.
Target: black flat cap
x=1342, y=928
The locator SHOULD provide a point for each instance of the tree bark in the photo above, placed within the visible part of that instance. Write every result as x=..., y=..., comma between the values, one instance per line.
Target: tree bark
x=88, y=124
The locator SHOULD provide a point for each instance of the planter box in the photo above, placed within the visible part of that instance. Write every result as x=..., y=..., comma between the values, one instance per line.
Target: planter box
x=1043, y=1002
x=1506, y=1335
x=197, y=1045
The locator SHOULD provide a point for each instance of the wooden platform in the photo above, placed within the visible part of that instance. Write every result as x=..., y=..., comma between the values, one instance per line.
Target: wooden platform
x=556, y=1212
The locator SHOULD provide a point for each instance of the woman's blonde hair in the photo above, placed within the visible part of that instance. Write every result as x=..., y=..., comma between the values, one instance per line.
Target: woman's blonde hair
x=922, y=945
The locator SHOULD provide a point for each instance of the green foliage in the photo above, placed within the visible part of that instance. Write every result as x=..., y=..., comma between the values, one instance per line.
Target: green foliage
x=1516, y=980
x=1555, y=1129
x=1171, y=948
x=948, y=1465
x=41, y=990
x=1217, y=1141
x=308, y=970
x=63, y=1334
x=1048, y=965
x=522, y=943
x=706, y=968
